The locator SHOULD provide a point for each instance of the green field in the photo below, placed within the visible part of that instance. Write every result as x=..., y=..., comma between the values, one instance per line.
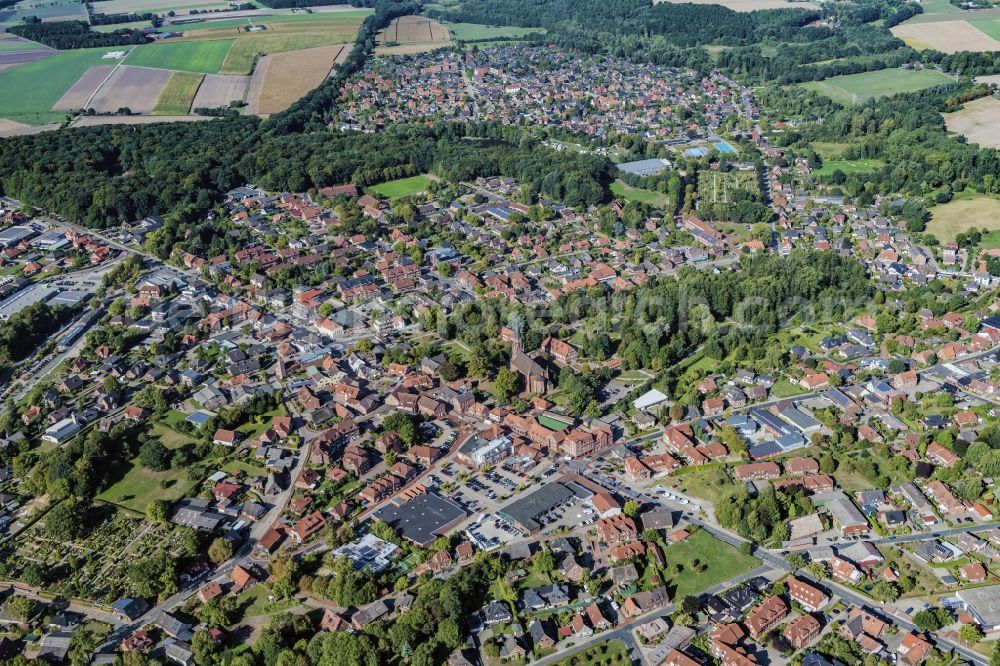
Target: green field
x=29, y=91
x=963, y=213
x=140, y=486
x=708, y=482
x=720, y=560
x=858, y=88
x=204, y=57
x=474, y=32
x=131, y=25
x=403, y=187
x=176, y=98
x=849, y=166
x=243, y=55
x=8, y=45
x=829, y=150
x=623, y=190
x=990, y=26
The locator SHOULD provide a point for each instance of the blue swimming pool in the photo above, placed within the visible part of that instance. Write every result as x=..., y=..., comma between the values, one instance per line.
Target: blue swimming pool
x=724, y=148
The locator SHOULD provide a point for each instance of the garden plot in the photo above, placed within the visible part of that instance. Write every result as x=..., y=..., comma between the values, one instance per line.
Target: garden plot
x=135, y=88
x=219, y=90
x=79, y=94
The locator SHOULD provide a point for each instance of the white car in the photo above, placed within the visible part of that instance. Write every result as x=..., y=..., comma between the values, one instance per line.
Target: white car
x=682, y=501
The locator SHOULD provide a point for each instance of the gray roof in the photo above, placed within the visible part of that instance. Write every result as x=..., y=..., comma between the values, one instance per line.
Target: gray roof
x=423, y=518
x=528, y=509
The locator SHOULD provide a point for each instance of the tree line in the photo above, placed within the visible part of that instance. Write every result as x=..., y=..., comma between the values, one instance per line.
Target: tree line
x=64, y=35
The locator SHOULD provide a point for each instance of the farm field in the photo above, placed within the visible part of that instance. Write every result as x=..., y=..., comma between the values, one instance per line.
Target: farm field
x=80, y=92
x=93, y=121
x=947, y=36
x=721, y=562
x=176, y=97
x=204, y=57
x=748, y=5
x=244, y=53
x=411, y=34
x=403, y=187
x=337, y=26
x=849, y=166
x=31, y=90
x=963, y=213
x=289, y=76
x=15, y=44
x=135, y=88
x=159, y=6
x=55, y=10
x=857, y=88
x=219, y=90
x=977, y=121
x=625, y=191
x=475, y=32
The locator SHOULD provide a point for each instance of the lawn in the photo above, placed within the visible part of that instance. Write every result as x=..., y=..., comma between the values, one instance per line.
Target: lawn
x=858, y=88
x=829, y=150
x=31, y=90
x=611, y=653
x=785, y=389
x=140, y=486
x=720, y=561
x=403, y=187
x=621, y=189
x=172, y=439
x=204, y=57
x=248, y=468
x=474, y=32
x=176, y=97
x=963, y=213
x=710, y=482
x=849, y=166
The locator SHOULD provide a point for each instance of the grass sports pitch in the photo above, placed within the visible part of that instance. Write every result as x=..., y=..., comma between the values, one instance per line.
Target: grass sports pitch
x=858, y=88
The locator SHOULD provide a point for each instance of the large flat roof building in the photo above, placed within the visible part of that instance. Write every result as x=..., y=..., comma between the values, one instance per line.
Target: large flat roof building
x=423, y=518
x=525, y=513
x=984, y=605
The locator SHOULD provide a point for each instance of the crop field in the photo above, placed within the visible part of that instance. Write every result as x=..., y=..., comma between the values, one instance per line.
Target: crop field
x=289, y=76
x=857, y=88
x=219, y=90
x=849, y=166
x=10, y=43
x=53, y=10
x=412, y=34
x=135, y=88
x=204, y=57
x=977, y=121
x=159, y=6
x=947, y=36
x=963, y=213
x=80, y=92
x=403, y=187
x=474, y=32
x=176, y=97
x=244, y=53
x=338, y=27
x=748, y=5
x=30, y=91
x=94, y=121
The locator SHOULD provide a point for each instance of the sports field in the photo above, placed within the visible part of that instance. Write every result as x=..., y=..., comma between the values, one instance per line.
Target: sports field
x=474, y=32
x=403, y=187
x=203, y=57
x=849, y=166
x=963, y=213
x=175, y=98
x=30, y=91
x=858, y=88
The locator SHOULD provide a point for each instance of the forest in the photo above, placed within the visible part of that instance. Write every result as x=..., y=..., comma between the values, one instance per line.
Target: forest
x=74, y=35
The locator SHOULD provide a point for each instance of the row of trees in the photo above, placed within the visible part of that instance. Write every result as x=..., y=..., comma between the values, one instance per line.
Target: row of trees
x=75, y=35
